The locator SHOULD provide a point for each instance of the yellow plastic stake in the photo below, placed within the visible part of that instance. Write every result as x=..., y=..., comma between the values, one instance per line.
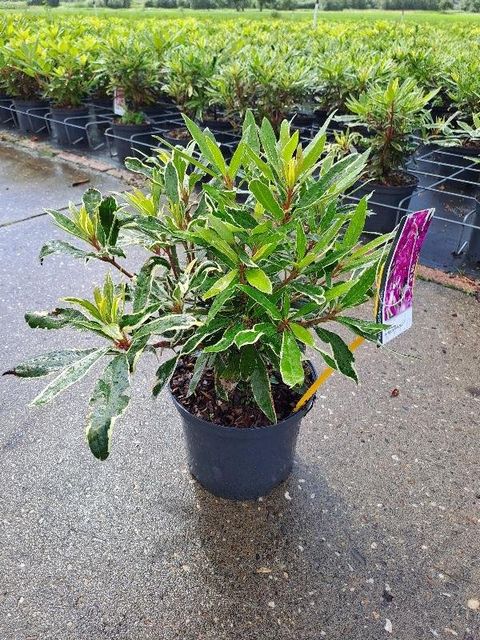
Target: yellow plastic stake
x=323, y=377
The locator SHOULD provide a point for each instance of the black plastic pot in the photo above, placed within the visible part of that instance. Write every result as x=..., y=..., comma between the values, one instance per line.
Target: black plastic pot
x=236, y=463
x=473, y=250
x=451, y=162
x=216, y=125
x=34, y=121
x=384, y=203
x=69, y=125
x=159, y=109
x=6, y=117
x=138, y=146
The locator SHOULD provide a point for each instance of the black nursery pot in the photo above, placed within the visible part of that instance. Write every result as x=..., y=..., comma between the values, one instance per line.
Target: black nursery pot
x=384, y=203
x=473, y=251
x=30, y=122
x=6, y=117
x=240, y=463
x=137, y=147
x=69, y=125
x=458, y=158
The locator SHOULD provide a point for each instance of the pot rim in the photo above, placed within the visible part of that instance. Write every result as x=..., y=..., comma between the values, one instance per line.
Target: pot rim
x=301, y=413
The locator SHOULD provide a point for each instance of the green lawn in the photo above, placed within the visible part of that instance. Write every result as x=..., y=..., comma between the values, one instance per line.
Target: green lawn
x=415, y=17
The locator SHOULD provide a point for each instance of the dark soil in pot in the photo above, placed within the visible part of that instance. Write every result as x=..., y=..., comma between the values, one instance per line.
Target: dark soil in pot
x=180, y=136
x=30, y=122
x=238, y=462
x=138, y=146
x=385, y=201
x=69, y=125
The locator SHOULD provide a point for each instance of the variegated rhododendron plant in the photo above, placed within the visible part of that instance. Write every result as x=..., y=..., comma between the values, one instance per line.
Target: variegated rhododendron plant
x=247, y=259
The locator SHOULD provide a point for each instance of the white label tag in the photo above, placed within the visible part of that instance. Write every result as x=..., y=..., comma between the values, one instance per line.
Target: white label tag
x=395, y=297
x=119, y=106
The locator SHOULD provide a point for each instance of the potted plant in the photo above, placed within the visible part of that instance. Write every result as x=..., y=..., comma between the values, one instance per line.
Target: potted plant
x=232, y=93
x=22, y=78
x=461, y=141
x=188, y=70
x=131, y=67
x=5, y=98
x=283, y=81
x=390, y=115
x=234, y=292
x=67, y=84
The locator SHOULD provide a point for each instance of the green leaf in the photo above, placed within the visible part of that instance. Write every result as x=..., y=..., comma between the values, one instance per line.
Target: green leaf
x=73, y=373
x=217, y=155
x=269, y=142
x=341, y=353
x=237, y=159
x=63, y=222
x=263, y=167
x=356, y=225
x=55, y=319
x=164, y=373
x=193, y=343
x=108, y=401
x=301, y=241
x=259, y=279
x=314, y=292
x=144, y=281
x=220, y=301
x=109, y=221
x=226, y=340
x=200, y=365
x=248, y=360
x=87, y=305
x=266, y=198
x=91, y=199
x=45, y=364
x=200, y=138
x=59, y=246
x=313, y=151
x=171, y=183
x=341, y=175
x=338, y=290
x=221, y=284
x=262, y=391
x=302, y=334
x=262, y=300
x=357, y=293
x=171, y=322
x=213, y=240
x=365, y=328
x=248, y=336
x=250, y=132
x=291, y=367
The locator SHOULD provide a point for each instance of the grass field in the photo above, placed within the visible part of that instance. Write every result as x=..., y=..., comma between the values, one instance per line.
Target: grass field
x=412, y=17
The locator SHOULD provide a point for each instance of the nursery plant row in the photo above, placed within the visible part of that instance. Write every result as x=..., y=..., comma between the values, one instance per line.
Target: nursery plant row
x=379, y=87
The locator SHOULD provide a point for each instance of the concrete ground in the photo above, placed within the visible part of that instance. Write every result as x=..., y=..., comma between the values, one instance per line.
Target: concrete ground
x=375, y=535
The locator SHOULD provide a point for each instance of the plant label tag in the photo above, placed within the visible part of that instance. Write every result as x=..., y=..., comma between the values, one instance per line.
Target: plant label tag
x=119, y=106
x=395, y=296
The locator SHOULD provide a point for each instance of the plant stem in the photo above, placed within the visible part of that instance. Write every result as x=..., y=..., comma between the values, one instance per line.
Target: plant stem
x=118, y=266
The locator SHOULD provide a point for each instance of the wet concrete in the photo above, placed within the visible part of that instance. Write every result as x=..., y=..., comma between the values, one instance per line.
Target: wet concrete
x=376, y=530
x=30, y=184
